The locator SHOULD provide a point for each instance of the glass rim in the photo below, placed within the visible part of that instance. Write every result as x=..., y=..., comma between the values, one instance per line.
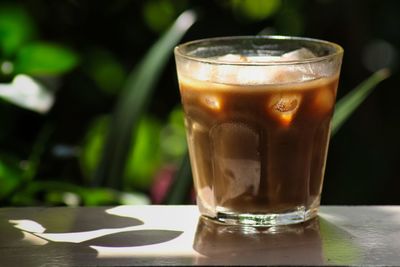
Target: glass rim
x=338, y=50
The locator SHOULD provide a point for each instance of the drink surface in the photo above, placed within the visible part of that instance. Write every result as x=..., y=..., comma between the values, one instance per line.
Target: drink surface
x=258, y=147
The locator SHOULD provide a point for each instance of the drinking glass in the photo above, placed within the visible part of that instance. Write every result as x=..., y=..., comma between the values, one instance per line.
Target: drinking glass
x=258, y=112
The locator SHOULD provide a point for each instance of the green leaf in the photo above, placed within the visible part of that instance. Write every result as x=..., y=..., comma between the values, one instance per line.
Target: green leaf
x=182, y=183
x=41, y=58
x=134, y=100
x=64, y=193
x=37, y=152
x=349, y=103
x=158, y=14
x=10, y=178
x=93, y=144
x=173, y=136
x=99, y=196
x=290, y=21
x=145, y=155
x=105, y=70
x=130, y=198
x=106, y=196
x=256, y=9
x=28, y=195
x=16, y=28
x=62, y=198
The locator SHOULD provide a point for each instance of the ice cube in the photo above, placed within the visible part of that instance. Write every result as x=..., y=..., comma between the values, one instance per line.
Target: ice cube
x=285, y=74
x=233, y=58
x=286, y=104
x=199, y=71
x=197, y=127
x=227, y=74
x=212, y=102
x=306, y=71
x=302, y=53
x=264, y=58
x=256, y=74
x=324, y=100
x=283, y=107
x=236, y=159
x=253, y=75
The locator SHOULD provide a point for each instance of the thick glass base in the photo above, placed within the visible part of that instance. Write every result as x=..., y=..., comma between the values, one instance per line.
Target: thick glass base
x=300, y=214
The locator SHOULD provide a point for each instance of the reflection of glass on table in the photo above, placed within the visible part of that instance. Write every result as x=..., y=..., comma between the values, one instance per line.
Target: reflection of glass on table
x=222, y=244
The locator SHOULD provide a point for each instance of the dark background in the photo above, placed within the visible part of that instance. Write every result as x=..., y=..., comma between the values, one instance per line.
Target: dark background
x=363, y=160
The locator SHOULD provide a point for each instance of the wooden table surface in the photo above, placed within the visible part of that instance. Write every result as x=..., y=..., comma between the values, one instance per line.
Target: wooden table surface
x=176, y=235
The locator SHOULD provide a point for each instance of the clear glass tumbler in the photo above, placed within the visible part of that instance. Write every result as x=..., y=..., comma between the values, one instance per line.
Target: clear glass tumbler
x=258, y=112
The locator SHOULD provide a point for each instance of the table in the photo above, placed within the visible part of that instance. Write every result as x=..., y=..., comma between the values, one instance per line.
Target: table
x=176, y=235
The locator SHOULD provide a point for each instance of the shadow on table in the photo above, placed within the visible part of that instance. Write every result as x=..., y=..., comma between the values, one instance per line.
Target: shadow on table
x=311, y=243
x=63, y=237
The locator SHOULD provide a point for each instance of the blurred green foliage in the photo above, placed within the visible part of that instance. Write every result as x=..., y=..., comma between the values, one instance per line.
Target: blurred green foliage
x=291, y=21
x=16, y=29
x=92, y=145
x=159, y=14
x=140, y=139
x=173, y=137
x=43, y=58
x=105, y=70
x=255, y=9
x=133, y=102
x=11, y=177
x=145, y=158
x=25, y=55
x=20, y=53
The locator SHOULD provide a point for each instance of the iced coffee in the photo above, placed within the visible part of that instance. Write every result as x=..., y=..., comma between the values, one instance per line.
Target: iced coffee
x=258, y=112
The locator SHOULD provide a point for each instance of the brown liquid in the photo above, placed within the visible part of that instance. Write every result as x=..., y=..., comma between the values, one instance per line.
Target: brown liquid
x=258, y=148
